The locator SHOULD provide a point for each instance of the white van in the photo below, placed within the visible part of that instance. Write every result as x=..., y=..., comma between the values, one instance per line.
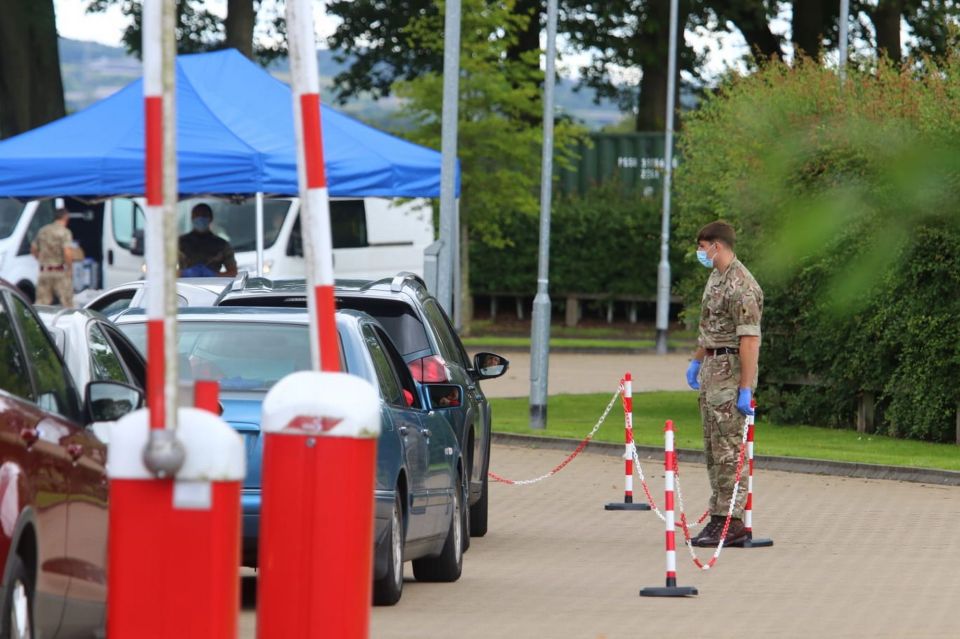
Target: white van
x=372, y=237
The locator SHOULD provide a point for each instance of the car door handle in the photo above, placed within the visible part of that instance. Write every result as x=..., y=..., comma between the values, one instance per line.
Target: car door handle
x=425, y=432
x=403, y=430
x=75, y=451
x=29, y=436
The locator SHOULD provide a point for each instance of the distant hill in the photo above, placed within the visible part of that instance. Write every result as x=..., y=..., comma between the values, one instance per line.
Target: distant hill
x=93, y=71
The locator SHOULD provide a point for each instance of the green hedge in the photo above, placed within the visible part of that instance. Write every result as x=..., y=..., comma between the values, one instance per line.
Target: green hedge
x=858, y=251
x=606, y=241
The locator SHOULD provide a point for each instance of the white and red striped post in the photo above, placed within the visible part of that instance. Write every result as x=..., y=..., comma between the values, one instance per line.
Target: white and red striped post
x=750, y=542
x=669, y=466
x=159, y=52
x=627, y=503
x=174, y=483
x=316, y=518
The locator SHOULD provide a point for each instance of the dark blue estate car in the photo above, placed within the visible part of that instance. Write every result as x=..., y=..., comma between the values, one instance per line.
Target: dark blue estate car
x=431, y=350
x=421, y=483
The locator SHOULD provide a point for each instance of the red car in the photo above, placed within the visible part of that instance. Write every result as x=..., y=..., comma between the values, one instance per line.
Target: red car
x=53, y=483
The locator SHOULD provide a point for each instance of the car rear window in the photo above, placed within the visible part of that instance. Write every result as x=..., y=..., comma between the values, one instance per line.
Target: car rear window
x=240, y=355
x=400, y=321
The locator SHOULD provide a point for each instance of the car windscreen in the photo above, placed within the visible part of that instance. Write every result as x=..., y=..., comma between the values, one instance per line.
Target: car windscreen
x=236, y=222
x=400, y=321
x=240, y=355
x=10, y=211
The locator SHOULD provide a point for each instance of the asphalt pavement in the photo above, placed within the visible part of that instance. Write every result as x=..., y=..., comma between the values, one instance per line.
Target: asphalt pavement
x=852, y=558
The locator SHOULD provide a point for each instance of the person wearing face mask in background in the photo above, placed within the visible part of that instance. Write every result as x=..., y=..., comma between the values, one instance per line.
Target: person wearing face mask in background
x=202, y=253
x=724, y=370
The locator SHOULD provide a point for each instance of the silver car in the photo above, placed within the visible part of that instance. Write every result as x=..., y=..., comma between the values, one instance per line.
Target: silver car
x=191, y=291
x=93, y=348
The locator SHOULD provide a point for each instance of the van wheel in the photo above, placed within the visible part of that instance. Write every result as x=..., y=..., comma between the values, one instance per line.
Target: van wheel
x=26, y=287
x=387, y=591
x=449, y=565
x=17, y=618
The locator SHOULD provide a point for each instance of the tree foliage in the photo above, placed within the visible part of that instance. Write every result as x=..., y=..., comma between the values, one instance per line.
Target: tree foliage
x=846, y=200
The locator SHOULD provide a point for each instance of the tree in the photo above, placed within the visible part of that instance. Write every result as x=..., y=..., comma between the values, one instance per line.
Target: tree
x=374, y=37
x=499, y=144
x=622, y=36
x=31, y=86
x=199, y=29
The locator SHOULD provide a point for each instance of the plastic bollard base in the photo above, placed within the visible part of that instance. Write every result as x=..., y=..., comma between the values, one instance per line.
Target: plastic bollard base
x=750, y=542
x=669, y=591
x=626, y=506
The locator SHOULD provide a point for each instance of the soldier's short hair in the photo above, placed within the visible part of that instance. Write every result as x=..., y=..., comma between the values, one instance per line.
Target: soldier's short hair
x=202, y=210
x=718, y=231
x=60, y=213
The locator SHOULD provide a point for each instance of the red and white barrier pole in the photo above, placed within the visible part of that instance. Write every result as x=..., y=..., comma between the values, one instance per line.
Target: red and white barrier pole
x=316, y=521
x=750, y=542
x=628, y=452
x=669, y=464
x=314, y=201
x=320, y=429
x=174, y=544
x=206, y=395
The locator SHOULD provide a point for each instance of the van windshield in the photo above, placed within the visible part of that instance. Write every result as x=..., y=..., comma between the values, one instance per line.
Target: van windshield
x=10, y=211
x=236, y=221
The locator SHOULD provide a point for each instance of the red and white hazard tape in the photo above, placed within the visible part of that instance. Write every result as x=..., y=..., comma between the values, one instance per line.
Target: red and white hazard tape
x=733, y=501
x=556, y=469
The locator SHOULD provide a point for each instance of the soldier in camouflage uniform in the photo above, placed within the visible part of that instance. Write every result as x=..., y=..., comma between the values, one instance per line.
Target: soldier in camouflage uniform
x=52, y=248
x=724, y=369
x=202, y=253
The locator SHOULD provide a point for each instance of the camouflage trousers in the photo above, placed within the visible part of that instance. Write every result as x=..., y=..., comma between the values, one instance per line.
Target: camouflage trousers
x=59, y=282
x=722, y=431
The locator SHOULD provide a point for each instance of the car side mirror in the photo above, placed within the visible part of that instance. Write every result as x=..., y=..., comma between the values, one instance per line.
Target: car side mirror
x=136, y=243
x=489, y=365
x=444, y=395
x=109, y=401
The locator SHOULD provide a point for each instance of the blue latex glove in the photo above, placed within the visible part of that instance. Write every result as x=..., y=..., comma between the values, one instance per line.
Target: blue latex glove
x=744, y=400
x=692, y=372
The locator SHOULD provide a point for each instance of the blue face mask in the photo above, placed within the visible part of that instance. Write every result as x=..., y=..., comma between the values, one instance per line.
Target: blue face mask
x=201, y=224
x=704, y=259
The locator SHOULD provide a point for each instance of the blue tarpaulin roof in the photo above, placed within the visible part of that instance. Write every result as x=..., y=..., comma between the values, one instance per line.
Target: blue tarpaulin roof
x=234, y=135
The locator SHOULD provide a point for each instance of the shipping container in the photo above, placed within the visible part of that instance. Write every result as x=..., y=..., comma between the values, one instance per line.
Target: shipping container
x=635, y=159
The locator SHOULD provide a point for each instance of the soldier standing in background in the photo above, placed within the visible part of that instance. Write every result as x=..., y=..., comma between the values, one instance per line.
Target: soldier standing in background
x=52, y=248
x=729, y=349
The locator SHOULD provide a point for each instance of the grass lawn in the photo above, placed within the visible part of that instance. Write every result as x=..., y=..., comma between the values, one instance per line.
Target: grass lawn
x=585, y=343
x=573, y=416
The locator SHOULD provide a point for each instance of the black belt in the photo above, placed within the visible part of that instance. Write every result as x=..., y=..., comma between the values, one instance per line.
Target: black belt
x=59, y=267
x=713, y=352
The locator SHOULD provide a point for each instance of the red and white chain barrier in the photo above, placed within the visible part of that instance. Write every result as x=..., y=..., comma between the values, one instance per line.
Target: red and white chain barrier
x=669, y=467
x=556, y=469
x=730, y=508
x=630, y=449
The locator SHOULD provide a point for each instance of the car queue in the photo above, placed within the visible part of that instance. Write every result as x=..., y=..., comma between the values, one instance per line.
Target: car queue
x=68, y=373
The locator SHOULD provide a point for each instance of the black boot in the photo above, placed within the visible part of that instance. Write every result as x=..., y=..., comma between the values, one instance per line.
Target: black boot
x=710, y=531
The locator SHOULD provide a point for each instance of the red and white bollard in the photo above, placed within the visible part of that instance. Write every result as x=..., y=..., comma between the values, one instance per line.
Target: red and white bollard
x=316, y=518
x=669, y=464
x=750, y=542
x=629, y=448
x=175, y=543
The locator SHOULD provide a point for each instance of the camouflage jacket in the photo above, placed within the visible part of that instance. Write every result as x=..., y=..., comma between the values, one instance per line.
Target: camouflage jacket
x=731, y=308
x=50, y=242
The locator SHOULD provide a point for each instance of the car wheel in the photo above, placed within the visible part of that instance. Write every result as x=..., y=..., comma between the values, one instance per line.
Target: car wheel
x=18, y=603
x=387, y=590
x=449, y=565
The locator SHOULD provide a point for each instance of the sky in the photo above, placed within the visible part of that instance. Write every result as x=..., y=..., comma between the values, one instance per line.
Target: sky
x=724, y=50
